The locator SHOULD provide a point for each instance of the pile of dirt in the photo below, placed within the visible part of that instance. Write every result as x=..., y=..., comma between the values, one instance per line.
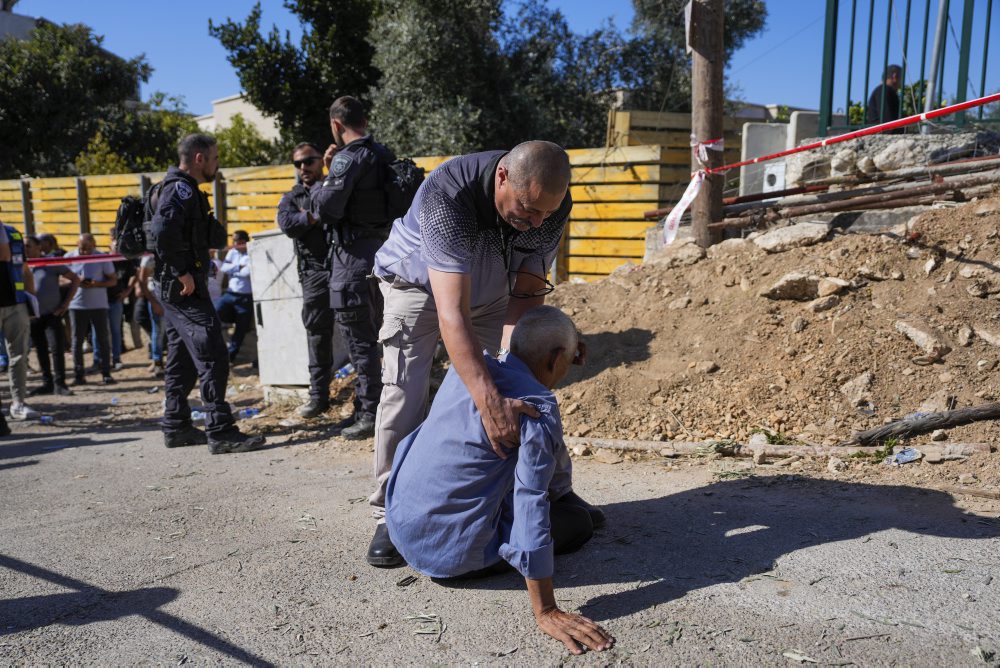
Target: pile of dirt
x=688, y=347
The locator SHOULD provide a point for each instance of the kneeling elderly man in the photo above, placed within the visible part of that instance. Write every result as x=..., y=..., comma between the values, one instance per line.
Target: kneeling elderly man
x=456, y=509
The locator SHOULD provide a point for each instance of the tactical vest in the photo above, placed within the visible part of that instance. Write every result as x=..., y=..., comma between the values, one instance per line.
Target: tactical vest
x=367, y=213
x=196, y=227
x=17, y=263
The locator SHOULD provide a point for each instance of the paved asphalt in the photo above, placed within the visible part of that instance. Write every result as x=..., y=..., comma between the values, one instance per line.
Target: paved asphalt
x=117, y=551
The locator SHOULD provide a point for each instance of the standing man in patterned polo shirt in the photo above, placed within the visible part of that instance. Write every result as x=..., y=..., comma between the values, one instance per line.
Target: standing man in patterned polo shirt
x=468, y=258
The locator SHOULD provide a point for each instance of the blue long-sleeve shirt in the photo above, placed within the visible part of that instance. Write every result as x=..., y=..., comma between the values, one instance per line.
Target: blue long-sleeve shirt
x=453, y=506
x=237, y=267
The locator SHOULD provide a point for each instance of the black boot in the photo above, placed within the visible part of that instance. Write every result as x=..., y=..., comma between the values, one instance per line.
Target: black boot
x=364, y=427
x=233, y=440
x=190, y=436
x=45, y=388
x=314, y=408
x=381, y=552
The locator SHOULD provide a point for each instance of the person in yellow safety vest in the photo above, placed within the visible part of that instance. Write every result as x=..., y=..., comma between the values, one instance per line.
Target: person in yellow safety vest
x=15, y=285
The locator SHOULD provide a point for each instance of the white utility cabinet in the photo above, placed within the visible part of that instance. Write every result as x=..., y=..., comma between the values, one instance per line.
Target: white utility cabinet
x=282, y=353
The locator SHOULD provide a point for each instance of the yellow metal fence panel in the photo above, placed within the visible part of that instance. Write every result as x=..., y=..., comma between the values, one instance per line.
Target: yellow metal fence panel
x=11, y=208
x=612, y=187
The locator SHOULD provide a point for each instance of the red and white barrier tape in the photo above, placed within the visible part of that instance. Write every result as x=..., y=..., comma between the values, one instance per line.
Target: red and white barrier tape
x=73, y=259
x=701, y=148
x=674, y=217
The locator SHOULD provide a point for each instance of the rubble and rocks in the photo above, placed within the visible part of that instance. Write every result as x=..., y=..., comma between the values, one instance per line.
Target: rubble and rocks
x=856, y=390
x=872, y=154
x=796, y=285
x=780, y=366
x=798, y=235
x=679, y=254
x=928, y=342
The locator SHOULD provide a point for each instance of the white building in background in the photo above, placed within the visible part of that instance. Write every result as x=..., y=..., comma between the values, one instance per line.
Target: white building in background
x=16, y=26
x=225, y=108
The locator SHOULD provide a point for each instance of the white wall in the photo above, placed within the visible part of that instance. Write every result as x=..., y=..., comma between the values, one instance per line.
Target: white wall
x=225, y=108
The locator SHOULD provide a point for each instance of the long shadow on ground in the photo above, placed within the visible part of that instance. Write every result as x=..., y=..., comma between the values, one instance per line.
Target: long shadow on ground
x=733, y=529
x=87, y=604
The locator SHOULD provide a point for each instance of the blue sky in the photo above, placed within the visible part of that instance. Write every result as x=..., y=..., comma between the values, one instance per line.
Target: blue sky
x=782, y=65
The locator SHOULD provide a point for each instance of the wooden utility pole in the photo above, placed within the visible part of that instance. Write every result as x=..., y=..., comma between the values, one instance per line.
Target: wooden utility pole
x=708, y=61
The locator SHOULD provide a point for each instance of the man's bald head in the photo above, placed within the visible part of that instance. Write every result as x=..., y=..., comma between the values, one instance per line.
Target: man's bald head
x=531, y=184
x=87, y=244
x=547, y=341
x=541, y=163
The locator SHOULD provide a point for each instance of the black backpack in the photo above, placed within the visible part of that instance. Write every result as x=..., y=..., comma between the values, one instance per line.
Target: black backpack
x=402, y=179
x=132, y=223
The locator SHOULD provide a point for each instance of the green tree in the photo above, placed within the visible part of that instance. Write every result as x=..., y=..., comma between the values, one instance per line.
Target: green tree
x=656, y=65
x=146, y=135
x=242, y=145
x=296, y=83
x=55, y=88
x=561, y=84
x=440, y=91
x=100, y=158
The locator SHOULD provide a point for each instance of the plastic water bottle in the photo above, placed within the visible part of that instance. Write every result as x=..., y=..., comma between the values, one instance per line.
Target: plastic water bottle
x=114, y=401
x=197, y=416
x=344, y=371
x=46, y=419
x=245, y=413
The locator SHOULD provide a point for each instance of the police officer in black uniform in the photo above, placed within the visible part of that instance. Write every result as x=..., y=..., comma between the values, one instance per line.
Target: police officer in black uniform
x=351, y=206
x=311, y=251
x=181, y=233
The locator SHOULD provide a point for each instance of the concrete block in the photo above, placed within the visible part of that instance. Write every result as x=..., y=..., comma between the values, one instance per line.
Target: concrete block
x=654, y=239
x=759, y=139
x=801, y=126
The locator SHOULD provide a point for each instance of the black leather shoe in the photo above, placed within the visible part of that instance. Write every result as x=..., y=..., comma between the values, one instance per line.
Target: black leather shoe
x=596, y=515
x=314, y=408
x=364, y=427
x=233, y=440
x=381, y=552
x=189, y=436
x=342, y=424
x=42, y=389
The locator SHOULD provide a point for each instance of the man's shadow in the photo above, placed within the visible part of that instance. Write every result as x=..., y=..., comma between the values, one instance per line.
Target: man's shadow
x=85, y=604
x=606, y=350
x=729, y=530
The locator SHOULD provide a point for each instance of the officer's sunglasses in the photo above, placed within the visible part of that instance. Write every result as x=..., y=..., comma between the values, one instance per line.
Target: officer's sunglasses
x=540, y=292
x=305, y=161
